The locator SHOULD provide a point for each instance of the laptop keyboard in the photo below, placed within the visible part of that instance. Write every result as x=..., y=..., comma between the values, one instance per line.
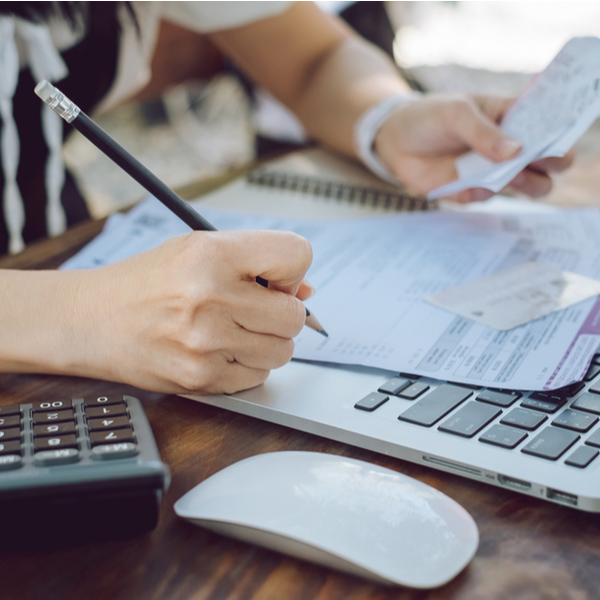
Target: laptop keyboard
x=548, y=425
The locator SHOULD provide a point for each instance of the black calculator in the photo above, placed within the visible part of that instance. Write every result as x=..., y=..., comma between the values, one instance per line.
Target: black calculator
x=77, y=470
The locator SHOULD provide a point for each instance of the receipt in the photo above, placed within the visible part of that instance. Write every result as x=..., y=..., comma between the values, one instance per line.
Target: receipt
x=548, y=117
x=516, y=296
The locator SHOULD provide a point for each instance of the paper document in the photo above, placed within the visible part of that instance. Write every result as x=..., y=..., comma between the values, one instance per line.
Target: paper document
x=372, y=276
x=548, y=117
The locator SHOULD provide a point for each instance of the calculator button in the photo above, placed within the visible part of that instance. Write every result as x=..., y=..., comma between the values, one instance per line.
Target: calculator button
x=114, y=451
x=103, y=400
x=53, y=417
x=63, y=441
x=53, y=405
x=109, y=423
x=14, y=433
x=47, y=458
x=12, y=409
x=12, y=447
x=10, y=461
x=12, y=421
x=104, y=411
x=54, y=429
x=114, y=435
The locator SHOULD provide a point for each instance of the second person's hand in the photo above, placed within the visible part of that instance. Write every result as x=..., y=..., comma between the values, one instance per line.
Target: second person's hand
x=421, y=140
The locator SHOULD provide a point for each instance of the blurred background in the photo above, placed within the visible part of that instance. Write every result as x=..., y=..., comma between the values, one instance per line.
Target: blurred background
x=203, y=128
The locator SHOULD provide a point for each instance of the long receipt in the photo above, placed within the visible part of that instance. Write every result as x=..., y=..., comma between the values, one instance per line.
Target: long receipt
x=372, y=277
x=548, y=117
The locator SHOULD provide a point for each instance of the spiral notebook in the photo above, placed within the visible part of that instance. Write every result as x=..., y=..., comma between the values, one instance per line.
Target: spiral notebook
x=315, y=183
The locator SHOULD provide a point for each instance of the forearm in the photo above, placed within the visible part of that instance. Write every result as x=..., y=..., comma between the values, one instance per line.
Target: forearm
x=318, y=67
x=351, y=78
x=41, y=322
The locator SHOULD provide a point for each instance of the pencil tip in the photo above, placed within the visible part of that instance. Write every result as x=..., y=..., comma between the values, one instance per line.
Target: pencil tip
x=323, y=332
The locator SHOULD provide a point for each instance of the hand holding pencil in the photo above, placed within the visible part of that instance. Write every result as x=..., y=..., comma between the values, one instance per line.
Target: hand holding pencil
x=188, y=316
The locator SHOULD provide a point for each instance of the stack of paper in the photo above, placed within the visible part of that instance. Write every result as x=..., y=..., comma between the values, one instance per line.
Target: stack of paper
x=373, y=276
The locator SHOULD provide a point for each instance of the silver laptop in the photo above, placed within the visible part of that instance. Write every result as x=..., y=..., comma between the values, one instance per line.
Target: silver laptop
x=543, y=444
x=546, y=445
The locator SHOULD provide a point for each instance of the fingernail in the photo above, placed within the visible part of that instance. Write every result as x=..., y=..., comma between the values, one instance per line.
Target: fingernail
x=508, y=147
x=310, y=287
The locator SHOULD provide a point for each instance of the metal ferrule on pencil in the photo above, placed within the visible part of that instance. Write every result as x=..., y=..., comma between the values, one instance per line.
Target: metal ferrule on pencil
x=57, y=101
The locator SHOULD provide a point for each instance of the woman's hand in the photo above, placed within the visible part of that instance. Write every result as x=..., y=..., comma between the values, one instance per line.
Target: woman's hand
x=421, y=140
x=187, y=316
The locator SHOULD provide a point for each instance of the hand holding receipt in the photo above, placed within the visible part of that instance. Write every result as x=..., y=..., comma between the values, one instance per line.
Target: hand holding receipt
x=548, y=117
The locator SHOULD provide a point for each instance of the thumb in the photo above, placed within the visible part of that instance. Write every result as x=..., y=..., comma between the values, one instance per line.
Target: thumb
x=480, y=133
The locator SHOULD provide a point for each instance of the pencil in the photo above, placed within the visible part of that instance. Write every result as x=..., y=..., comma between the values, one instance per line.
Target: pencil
x=73, y=115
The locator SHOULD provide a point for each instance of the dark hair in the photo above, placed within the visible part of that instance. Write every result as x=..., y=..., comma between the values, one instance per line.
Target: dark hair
x=39, y=12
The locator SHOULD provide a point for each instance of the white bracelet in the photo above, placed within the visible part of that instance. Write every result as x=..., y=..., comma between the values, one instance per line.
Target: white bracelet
x=366, y=129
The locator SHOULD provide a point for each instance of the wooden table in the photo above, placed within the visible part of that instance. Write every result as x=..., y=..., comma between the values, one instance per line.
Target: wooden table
x=529, y=548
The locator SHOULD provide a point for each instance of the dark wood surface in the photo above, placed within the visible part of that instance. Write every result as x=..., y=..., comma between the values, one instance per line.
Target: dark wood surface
x=529, y=549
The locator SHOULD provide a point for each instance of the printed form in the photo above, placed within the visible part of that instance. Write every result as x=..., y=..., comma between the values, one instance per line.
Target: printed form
x=372, y=275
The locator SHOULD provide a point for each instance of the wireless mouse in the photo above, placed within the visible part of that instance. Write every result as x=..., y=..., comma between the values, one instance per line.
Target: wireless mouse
x=339, y=512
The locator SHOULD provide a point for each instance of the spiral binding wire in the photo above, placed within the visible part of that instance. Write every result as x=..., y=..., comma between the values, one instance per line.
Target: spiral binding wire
x=365, y=196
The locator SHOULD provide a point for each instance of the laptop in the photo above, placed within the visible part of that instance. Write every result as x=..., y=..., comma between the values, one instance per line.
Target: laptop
x=543, y=444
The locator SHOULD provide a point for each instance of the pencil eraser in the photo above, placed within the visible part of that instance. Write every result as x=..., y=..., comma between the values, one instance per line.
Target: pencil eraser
x=44, y=89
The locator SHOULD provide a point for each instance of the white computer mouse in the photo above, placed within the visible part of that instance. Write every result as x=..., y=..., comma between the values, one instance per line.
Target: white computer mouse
x=339, y=512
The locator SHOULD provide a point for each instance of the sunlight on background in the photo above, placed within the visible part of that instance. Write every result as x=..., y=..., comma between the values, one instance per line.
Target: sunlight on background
x=499, y=36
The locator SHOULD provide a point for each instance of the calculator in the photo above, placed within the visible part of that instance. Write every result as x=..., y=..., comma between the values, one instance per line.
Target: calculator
x=77, y=470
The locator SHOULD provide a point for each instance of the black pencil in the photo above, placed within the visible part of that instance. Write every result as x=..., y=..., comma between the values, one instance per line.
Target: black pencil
x=73, y=115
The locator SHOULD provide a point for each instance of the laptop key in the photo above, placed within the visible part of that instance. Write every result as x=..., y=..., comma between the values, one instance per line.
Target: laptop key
x=470, y=419
x=436, y=405
x=575, y=420
x=414, y=391
x=570, y=390
x=371, y=402
x=588, y=402
x=594, y=439
x=544, y=401
x=592, y=372
x=523, y=419
x=394, y=385
x=501, y=435
x=503, y=399
x=551, y=443
x=595, y=389
x=582, y=457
